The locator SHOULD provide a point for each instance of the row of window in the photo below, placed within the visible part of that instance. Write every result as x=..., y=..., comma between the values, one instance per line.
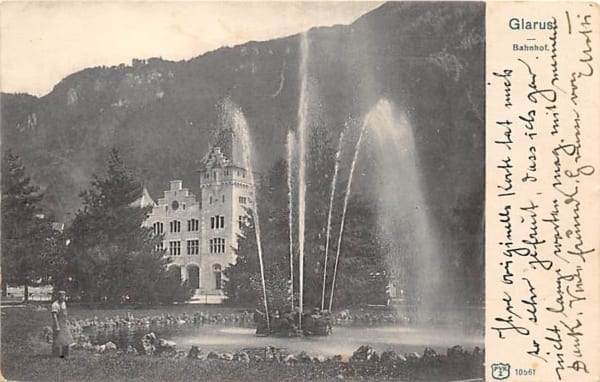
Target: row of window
x=225, y=173
x=241, y=199
x=216, y=222
x=193, y=247
x=175, y=226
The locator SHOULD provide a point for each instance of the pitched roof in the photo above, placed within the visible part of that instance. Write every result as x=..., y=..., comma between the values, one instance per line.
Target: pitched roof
x=145, y=200
x=228, y=146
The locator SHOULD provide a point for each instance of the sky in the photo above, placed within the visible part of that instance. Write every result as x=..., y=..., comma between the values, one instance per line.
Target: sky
x=43, y=42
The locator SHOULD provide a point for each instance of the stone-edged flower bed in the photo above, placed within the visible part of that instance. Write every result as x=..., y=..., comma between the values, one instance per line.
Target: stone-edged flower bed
x=457, y=362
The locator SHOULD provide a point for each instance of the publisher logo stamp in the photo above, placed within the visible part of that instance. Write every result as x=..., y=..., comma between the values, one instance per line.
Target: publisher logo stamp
x=500, y=371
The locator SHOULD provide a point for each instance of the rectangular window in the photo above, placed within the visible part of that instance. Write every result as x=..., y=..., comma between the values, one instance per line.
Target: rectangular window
x=158, y=228
x=242, y=200
x=193, y=225
x=217, y=222
x=217, y=245
x=193, y=247
x=174, y=248
x=175, y=226
x=223, y=198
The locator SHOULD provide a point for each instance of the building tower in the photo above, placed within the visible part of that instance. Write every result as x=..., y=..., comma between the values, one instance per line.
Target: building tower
x=225, y=195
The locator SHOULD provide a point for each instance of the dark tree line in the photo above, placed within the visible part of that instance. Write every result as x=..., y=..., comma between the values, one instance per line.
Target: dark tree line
x=105, y=255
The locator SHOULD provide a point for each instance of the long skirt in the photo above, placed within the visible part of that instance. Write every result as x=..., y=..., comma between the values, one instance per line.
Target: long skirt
x=61, y=339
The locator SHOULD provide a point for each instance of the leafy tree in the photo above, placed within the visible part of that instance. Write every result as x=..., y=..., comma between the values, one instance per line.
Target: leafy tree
x=112, y=256
x=31, y=249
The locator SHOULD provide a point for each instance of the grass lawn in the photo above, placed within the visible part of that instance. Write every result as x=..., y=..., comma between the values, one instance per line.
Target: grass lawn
x=25, y=357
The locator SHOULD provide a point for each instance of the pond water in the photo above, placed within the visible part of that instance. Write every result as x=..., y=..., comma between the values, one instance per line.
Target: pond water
x=344, y=340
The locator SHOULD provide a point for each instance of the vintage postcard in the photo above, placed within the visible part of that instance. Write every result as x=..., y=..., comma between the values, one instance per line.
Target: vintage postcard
x=274, y=191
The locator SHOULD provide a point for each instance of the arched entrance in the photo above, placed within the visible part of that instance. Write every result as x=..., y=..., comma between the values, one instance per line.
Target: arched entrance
x=193, y=276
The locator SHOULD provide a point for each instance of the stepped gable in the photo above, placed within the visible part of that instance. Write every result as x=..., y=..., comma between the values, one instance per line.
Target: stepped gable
x=176, y=192
x=215, y=159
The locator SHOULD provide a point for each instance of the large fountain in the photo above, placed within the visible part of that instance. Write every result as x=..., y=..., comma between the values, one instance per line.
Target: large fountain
x=385, y=133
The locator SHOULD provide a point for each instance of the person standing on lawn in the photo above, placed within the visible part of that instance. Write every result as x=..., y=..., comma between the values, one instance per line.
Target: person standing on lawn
x=61, y=335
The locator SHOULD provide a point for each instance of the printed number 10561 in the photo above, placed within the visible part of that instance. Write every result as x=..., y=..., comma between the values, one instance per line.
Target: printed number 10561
x=525, y=372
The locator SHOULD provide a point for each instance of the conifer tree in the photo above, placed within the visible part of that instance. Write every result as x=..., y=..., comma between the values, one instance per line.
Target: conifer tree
x=30, y=247
x=243, y=284
x=242, y=279
x=113, y=257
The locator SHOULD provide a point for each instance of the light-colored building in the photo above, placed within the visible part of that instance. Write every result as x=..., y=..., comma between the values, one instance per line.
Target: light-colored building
x=200, y=234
